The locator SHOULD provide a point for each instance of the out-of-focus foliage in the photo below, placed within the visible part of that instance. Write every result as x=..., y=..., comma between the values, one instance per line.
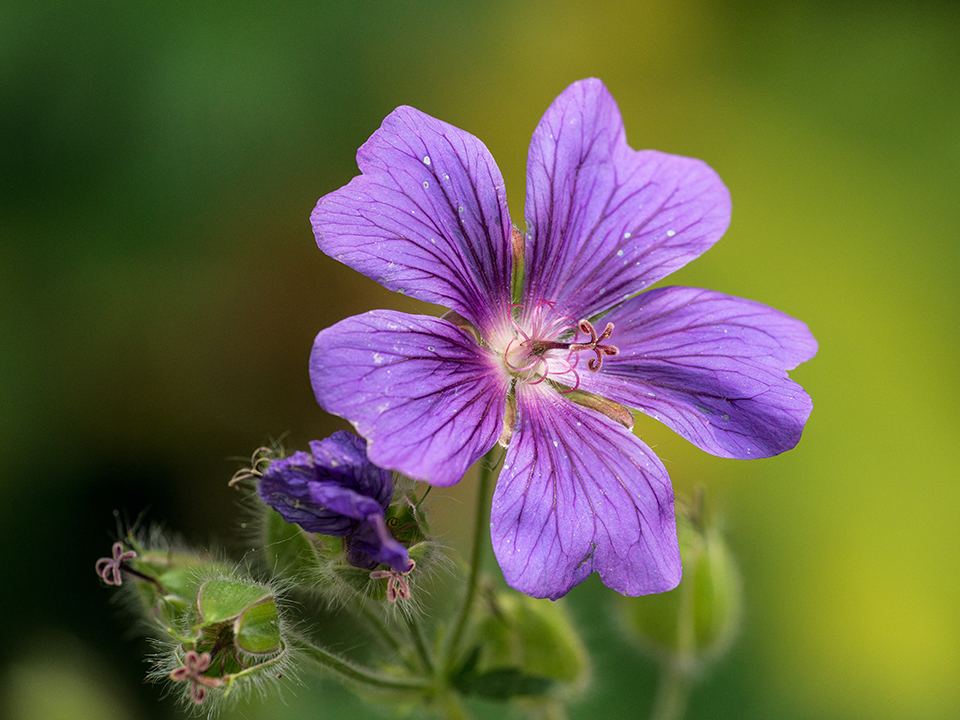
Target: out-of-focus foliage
x=160, y=289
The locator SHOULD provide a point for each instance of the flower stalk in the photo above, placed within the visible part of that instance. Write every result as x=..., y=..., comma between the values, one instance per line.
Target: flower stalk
x=451, y=645
x=355, y=673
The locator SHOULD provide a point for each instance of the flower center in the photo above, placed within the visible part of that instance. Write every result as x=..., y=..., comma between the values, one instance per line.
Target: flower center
x=545, y=344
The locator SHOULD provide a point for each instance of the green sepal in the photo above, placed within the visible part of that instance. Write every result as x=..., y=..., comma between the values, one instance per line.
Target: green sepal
x=257, y=630
x=168, y=582
x=404, y=522
x=222, y=600
x=287, y=548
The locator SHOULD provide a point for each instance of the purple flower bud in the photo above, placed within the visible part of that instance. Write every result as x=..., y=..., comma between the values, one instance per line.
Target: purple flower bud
x=336, y=490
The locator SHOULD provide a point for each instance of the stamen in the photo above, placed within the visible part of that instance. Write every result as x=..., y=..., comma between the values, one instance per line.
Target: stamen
x=513, y=320
x=262, y=455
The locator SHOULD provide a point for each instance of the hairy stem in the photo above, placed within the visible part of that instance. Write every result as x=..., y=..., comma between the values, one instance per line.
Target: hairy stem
x=451, y=645
x=382, y=631
x=354, y=673
x=423, y=651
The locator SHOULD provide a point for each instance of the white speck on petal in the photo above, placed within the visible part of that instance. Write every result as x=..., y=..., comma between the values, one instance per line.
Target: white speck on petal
x=377, y=359
x=556, y=444
x=619, y=253
x=426, y=159
x=627, y=236
x=670, y=233
x=460, y=209
x=425, y=184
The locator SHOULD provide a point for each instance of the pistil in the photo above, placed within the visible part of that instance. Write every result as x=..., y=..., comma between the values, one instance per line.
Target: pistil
x=596, y=344
x=537, y=348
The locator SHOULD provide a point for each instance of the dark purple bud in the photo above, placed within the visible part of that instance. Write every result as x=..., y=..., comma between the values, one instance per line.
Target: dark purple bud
x=336, y=490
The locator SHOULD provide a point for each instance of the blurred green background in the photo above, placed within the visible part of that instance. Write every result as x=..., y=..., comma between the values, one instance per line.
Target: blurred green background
x=160, y=289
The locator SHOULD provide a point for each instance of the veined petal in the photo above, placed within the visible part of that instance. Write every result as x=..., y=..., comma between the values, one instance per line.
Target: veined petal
x=710, y=366
x=428, y=399
x=343, y=457
x=579, y=493
x=606, y=221
x=343, y=500
x=428, y=217
x=287, y=486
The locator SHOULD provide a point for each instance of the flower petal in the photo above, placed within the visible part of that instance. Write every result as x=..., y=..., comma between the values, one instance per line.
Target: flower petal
x=287, y=486
x=343, y=501
x=607, y=221
x=577, y=494
x=428, y=217
x=343, y=457
x=428, y=399
x=373, y=544
x=710, y=366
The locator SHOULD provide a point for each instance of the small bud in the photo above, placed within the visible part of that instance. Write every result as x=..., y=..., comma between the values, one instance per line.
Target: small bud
x=338, y=525
x=695, y=622
x=525, y=648
x=163, y=580
x=335, y=490
x=233, y=638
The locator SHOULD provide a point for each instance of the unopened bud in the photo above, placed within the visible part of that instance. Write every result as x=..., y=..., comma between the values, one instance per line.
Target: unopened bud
x=526, y=648
x=247, y=610
x=164, y=580
x=235, y=639
x=696, y=621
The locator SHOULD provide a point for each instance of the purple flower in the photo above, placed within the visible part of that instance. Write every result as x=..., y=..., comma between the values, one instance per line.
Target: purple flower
x=336, y=490
x=549, y=336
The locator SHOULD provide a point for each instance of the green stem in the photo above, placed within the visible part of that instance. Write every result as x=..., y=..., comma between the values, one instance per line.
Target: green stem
x=481, y=525
x=453, y=709
x=383, y=632
x=353, y=672
x=676, y=671
x=423, y=651
x=672, y=691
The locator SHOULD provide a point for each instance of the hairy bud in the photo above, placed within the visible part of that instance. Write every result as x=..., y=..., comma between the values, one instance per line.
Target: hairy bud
x=695, y=622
